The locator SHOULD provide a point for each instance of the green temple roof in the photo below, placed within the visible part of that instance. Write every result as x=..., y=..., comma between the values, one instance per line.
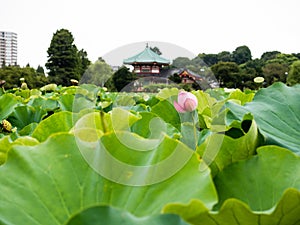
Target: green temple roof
x=146, y=56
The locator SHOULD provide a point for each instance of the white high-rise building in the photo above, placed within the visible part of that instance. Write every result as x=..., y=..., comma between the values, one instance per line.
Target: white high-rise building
x=8, y=48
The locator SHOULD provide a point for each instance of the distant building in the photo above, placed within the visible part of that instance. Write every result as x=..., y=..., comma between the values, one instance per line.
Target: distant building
x=8, y=48
x=147, y=63
x=151, y=68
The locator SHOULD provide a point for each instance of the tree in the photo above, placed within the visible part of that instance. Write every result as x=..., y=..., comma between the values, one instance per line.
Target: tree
x=123, y=77
x=269, y=55
x=209, y=59
x=296, y=55
x=63, y=60
x=97, y=73
x=227, y=74
x=286, y=59
x=198, y=62
x=224, y=56
x=12, y=75
x=294, y=74
x=275, y=72
x=250, y=70
x=175, y=78
x=241, y=54
x=40, y=71
x=84, y=61
x=180, y=62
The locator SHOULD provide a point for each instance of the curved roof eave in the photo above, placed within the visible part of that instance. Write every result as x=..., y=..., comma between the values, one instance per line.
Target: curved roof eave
x=146, y=56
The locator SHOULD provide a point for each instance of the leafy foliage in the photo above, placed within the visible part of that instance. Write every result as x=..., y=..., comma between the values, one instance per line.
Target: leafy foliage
x=97, y=214
x=227, y=74
x=122, y=78
x=275, y=111
x=80, y=154
x=13, y=74
x=294, y=74
x=241, y=54
x=97, y=73
x=65, y=62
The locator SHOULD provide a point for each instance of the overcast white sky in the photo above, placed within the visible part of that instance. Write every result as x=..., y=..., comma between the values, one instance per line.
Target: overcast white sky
x=199, y=26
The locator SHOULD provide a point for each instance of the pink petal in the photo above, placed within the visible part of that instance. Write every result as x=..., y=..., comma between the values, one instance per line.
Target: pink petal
x=182, y=97
x=194, y=98
x=179, y=108
x=190, y=104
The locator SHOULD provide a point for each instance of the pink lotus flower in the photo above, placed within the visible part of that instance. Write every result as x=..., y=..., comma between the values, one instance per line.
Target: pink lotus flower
x=187, y=102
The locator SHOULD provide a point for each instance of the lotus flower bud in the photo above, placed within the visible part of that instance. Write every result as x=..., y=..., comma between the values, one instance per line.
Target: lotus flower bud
x=187, y=102
x=6, y=125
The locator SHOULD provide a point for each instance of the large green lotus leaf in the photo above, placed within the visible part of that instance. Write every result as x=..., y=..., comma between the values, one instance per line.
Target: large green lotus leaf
x=57, y=122
x=75, y=104
x=44, y=103
x=92, y=89
x=235, y=212
x=6, y=144
x=25, y=115
x=123, y=99
x=50, y=182
x=276, y=112
x=99, y=215
x=151, y=126
x=28, y=130
x=170, y=94
x=261, y=180
x=204, y=101
x=7, y=104
x=220, y=150
x=211, y=113
x=242, y=97
x=218, y=93
x=94, y=121
x=118, y=119
x=166, y=111
x=206, y=108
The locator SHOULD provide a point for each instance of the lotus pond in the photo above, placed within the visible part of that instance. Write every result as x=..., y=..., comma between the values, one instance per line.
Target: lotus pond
x=81, y=155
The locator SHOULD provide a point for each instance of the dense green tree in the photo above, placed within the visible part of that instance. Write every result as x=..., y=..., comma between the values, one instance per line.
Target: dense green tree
x=97, y=73
x=175, y=78
x=250, y=70
x=40, y=71
x=275, y=72
x=241, y=54
x=227, y=74
x=198, y=62
x=181, y=62
x=12, y=75
x=296, y=55
x=294, y=74
x=63, y=59
x=84, y=61
x=209, y=59
x=122, y=78
x=269, y=55
x=255, y=64
x=224, y=56
x=286, y=59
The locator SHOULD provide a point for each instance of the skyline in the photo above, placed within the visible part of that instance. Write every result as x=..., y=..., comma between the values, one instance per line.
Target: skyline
x=196, y=26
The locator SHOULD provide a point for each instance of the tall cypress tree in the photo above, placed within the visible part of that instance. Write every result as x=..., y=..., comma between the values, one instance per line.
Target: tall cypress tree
x=63, y=59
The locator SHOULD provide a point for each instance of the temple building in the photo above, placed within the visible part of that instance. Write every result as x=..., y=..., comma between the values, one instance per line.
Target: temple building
x=147, y=63
x=189, y=77
x=148, y=66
